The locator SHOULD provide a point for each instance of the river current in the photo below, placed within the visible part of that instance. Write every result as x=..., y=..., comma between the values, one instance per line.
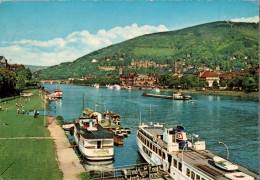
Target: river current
x=232, y=120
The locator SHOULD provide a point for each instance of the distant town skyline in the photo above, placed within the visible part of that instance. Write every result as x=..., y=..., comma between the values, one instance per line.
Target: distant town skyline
x=49, y=33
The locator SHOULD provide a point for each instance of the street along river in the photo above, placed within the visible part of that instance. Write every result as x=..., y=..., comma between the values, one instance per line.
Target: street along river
x=232, y=120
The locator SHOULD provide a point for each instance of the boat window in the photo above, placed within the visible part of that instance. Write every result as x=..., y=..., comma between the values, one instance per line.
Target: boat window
x=192, y=175
x=202, y=179
x=159, y=152
x=175, y=163
x=163, y=155
x=188, y=172
x=197, y=177
x=180, y=166
x=98, y=144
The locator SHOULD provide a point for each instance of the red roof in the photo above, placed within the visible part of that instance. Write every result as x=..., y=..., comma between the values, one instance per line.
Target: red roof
x=208, y=74
x=57, y=90
x=90, y=76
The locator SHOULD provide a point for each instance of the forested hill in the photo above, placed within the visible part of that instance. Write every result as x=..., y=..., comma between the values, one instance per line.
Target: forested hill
x=219, y=43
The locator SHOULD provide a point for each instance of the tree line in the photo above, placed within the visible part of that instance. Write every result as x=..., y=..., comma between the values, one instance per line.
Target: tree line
x=100, y=81
x=14, y=82
x=247, y=82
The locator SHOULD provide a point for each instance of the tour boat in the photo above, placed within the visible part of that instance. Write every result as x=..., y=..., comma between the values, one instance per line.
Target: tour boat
x=96, y=86
x=57, y=93
x=156, y=89
x=118, y=87
x=94, y=142
x=183, y=155
x=180, y=96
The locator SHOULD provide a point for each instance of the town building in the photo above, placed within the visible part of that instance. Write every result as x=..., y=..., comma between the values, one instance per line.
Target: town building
x=209, y=77
x=134, y=79
x=14, y=67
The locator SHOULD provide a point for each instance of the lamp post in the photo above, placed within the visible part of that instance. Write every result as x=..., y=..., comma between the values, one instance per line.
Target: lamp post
x=226, y=148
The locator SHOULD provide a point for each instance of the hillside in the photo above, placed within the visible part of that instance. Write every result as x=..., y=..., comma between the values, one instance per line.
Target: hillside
x=211, y=44
x=35, y=68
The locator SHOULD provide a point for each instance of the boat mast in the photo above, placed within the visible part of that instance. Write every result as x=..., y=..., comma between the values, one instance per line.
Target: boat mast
x=140, y=118
x=150, y=113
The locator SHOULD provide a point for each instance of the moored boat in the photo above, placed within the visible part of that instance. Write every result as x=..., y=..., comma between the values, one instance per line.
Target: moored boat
x=57, y=93
x=118, y=87
x=95, y=143
x=183, y=155
x=180, y=96
x=112, y=117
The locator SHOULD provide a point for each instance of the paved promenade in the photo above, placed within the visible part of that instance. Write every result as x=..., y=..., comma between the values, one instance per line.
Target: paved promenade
x=69, y=162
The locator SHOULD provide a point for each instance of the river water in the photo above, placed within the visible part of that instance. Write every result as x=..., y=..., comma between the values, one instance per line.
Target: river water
x=232, y=120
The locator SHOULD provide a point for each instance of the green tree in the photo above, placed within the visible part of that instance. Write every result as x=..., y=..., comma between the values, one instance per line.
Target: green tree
x=20, y=83
x=215, y=84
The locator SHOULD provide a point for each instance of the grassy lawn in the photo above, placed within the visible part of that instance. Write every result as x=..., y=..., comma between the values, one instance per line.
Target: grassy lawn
x=29, y=159
x=33, y=158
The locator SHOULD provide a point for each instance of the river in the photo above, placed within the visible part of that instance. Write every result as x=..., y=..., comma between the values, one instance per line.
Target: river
x=232, y=120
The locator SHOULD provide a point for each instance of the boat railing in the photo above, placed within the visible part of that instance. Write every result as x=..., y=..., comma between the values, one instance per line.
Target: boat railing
x=151, y=125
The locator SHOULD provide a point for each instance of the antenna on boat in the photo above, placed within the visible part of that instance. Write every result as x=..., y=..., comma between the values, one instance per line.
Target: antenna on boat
x=83, y=102
x=150, y=113
x=140, y=118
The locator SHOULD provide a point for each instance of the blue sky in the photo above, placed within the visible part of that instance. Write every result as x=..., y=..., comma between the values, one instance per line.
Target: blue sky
x=48, y=33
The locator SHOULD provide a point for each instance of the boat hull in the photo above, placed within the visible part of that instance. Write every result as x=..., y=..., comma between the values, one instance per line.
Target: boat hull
x=94, y=154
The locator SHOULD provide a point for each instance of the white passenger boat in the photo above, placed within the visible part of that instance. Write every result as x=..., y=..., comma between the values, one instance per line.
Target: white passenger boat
x=57, y=93
x=94, y=142
x=118, y=87
x=155, y=89
x=96, y=86
x=181, y=156
x=180, y=96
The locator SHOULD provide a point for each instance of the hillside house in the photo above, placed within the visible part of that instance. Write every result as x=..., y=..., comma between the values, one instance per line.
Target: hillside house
x=13, y=67
x=90, y=77
x=3, y=62
x=209, y=77
x=94, y=61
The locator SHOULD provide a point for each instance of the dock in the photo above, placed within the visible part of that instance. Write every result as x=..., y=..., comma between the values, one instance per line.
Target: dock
x=134, y=172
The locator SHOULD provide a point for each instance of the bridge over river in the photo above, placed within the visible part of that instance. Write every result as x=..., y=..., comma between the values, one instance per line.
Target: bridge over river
x=55, y=81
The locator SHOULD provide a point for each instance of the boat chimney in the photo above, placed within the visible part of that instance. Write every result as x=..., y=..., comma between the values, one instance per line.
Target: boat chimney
x=181, y=138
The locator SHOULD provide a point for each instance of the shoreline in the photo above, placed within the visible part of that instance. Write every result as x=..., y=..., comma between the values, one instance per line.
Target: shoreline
x=68, y=161
x=216, y=92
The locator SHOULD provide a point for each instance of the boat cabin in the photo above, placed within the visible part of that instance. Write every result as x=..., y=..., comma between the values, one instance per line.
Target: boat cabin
x=112, y=117
x=57, y=93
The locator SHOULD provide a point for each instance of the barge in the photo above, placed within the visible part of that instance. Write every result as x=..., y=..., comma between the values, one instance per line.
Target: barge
x=175, y=96
x=182, y=157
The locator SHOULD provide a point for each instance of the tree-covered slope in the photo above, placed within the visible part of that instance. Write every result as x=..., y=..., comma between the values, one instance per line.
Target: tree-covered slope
x=211, y=44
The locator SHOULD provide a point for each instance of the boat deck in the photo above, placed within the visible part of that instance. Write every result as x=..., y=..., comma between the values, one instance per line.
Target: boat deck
x=201, y=159
x=101, y=133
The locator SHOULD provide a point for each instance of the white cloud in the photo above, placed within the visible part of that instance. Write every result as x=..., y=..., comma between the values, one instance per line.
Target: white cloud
x=249, y=19
x=73, y=46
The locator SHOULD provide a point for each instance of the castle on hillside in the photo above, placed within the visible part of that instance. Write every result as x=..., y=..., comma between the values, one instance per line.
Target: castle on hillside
x=145, y=64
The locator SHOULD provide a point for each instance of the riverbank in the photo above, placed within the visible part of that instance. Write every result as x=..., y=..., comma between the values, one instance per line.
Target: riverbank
x=216, y=92
x=69, y=162
x=27, y=151
x=254, y=95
